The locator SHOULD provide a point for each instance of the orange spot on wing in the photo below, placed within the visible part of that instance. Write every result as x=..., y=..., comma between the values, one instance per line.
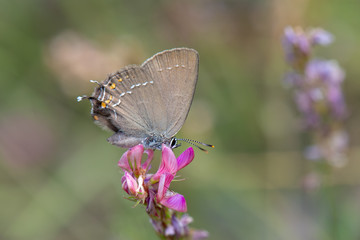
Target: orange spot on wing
x=108, y=100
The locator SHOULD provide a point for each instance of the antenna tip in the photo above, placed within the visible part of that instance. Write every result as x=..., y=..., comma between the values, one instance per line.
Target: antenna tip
x=94, y=81
x=80, y=98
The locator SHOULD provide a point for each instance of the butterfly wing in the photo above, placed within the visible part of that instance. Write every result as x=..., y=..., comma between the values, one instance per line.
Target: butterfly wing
x=175, y=74
x=148, y=100
x=120, y=103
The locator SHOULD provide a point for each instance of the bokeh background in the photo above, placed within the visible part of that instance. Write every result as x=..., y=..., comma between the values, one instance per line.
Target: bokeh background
x=58, y=175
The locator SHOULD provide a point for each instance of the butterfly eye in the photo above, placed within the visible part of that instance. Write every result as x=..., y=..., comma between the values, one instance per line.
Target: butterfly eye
x=173, y=143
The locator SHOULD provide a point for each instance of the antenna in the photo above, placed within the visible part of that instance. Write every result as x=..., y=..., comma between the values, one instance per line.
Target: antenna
x=80, y=98
x=192, y=142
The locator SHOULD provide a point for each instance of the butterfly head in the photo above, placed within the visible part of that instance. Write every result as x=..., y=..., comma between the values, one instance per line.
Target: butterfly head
x=174, y=143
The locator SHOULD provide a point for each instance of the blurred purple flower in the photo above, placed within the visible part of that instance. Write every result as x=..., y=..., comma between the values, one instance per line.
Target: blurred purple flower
x=327, y=76
x=298, y=43
x=199, y=234
x=317, y=93
x=336, y=101
x=336, y=148
x=319, y=36
x=327, y=71
x=304, y=102
x=296, y=38
x=180, y=227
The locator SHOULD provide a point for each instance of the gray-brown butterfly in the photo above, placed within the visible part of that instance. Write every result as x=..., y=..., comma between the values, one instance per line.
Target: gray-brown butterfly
x=148, y=104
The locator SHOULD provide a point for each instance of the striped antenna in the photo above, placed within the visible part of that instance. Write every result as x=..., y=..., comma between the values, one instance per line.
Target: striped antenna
x=192, y=142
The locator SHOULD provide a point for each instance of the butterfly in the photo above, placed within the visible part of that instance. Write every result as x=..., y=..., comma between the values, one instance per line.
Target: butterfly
x=148, y=104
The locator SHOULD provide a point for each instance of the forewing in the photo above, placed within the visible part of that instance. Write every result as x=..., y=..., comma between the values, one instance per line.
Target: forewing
x=122, y=101
x=175, y=74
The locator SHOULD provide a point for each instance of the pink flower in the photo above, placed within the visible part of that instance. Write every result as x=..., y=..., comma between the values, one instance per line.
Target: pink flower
x=171, y=164
x=152, y=190
x=130, y=161
x=133, y=187
x=137, y=183
x=168, y=198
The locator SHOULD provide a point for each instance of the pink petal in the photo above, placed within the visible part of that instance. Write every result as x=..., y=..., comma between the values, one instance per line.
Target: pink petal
x=164, y=184
x=135, y=156
x=124, y=162
x=168, y=159
x=185, y=158
x=150, y=154
x=168, y=163
x=131, y=183
x=124, y=184
x=176, y=202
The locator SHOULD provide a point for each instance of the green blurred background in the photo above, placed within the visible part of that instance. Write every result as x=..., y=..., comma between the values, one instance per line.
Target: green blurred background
x=58, y=175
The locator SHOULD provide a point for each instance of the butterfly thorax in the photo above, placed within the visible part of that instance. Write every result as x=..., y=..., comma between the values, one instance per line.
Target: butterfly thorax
x=156, y=141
